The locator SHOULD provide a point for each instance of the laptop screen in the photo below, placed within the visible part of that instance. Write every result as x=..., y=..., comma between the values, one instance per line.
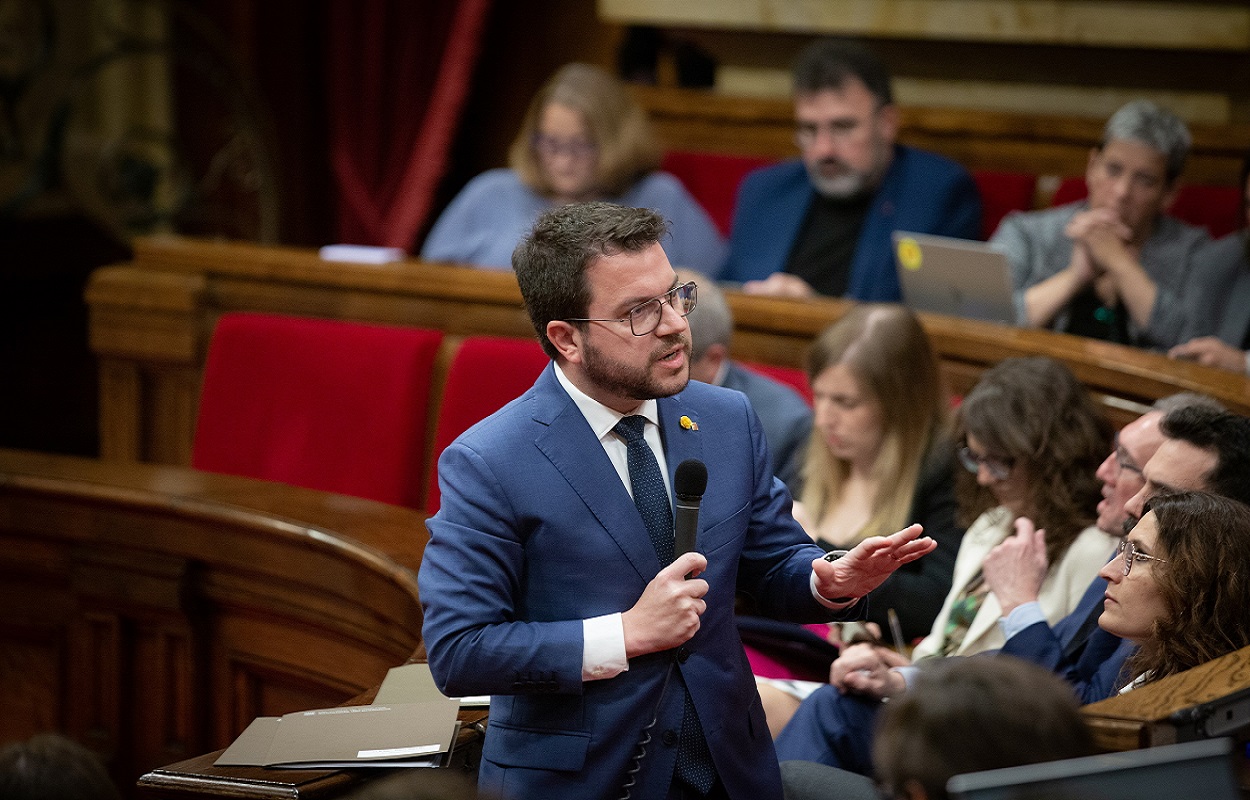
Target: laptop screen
x=957, y=277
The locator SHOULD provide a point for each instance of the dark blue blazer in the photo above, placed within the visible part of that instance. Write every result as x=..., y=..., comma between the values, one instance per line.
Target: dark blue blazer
x=536, y=532
x=1083, y=654
x=921, y=192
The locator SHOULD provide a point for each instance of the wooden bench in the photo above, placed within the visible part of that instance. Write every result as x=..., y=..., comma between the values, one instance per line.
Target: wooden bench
x=151, y=321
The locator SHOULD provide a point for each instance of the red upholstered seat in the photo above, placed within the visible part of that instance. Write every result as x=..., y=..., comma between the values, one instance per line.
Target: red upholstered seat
x=329, y=405
x=713, y=179
x=1217, y=208
x=485, y=374
x=1002, y=193
x=794, y=378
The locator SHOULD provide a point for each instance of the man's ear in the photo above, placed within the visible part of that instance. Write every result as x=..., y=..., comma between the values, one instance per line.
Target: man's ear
x=567, y=339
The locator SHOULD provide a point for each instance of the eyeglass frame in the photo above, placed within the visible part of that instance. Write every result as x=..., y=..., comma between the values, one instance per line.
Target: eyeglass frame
x=999, y=469
x=670, y=297
x=1127, y=550
x=549, y=146
x=807, y=133
x=1125, y=464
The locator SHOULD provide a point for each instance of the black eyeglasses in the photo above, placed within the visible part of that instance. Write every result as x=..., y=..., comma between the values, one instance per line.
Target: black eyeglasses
x=1129, y=552
x=552, y=146
x=999, y=468
x=645, y=317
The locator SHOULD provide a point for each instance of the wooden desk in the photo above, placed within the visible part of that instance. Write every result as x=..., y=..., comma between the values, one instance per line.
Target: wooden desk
x=152, y=612
x=151, y=321
x=1142, y=717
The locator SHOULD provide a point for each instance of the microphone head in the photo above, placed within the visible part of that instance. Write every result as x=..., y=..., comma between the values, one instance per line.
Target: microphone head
x=690, y=480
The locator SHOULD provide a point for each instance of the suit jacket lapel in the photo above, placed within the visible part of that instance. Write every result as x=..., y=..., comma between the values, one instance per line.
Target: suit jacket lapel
x=575, y=451
x=680, y=442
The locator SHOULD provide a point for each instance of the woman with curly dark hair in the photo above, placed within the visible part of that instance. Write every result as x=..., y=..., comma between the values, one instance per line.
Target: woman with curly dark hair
x=1031, y=442
x=1180, y=585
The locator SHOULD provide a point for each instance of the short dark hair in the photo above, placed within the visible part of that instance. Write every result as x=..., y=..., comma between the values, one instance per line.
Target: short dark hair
x=51, y=766
x=971, y=714
x=829, y=63
x=1223, y=433
x=550, y=263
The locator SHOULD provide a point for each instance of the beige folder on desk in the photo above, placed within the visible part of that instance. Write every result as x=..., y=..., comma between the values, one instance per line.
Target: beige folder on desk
x=417, y=733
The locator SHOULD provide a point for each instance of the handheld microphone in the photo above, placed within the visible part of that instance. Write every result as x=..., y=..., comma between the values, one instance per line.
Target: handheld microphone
x=689, y=483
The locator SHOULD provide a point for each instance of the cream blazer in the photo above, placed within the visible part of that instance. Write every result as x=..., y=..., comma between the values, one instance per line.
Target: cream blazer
x=1063, y=588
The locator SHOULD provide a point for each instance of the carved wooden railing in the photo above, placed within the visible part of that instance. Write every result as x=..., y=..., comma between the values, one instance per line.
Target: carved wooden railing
x=152, y=612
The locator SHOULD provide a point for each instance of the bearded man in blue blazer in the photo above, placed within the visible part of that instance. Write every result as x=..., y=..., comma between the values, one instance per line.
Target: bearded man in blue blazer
x=822, y=224
x=550, y=582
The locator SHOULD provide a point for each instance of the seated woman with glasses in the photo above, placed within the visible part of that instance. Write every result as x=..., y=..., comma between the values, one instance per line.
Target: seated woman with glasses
x=1178, y=588
x=1031, y=442
x=1179, y=585
x=880, y=458
x=583, y=138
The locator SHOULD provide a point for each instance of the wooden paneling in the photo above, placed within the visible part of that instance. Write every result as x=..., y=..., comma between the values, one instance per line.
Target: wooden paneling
x=690, y=119
x=153, y=612
x=1106, y=23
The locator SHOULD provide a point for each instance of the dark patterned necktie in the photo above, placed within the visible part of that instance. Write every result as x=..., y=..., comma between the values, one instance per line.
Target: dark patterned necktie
x=650, y=496
x=694, y=761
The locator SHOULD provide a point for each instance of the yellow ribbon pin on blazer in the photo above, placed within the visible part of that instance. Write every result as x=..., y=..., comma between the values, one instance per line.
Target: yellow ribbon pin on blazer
x=688, y=423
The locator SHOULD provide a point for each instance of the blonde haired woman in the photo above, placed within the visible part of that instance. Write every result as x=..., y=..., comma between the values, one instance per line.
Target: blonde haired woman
x=881, y=455
x=583, y=138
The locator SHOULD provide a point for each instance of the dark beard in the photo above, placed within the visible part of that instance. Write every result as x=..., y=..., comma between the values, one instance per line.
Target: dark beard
x=638, y=384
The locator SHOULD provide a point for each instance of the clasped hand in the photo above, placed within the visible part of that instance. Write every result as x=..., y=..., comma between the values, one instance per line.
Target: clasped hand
x=867, y=669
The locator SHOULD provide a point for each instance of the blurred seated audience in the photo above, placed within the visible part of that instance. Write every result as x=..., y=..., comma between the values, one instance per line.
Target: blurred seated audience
x=1225, y=300
x=1032, y=441
x=1203, y=448
x=963, y=715
x=1113, y=266
x=583, y=138
x=784, y=414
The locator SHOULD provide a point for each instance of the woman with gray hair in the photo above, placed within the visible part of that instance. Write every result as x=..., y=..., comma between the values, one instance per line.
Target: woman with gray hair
x=1114, y=265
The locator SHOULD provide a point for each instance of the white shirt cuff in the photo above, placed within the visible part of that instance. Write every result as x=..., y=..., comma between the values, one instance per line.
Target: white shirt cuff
x=1021, y=617
x=825, y=601
x=603, y=648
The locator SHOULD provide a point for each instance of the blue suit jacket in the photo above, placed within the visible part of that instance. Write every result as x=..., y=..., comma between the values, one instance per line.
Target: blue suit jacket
x=536, y=532
x=1089, y=658
x=921, y=192
x=784, y=415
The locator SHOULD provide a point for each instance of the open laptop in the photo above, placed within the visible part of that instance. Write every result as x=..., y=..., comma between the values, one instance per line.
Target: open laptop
x=958, y=277
x=1202, y=769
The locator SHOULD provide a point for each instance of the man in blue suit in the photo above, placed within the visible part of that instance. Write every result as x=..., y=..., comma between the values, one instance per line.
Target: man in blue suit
x=822, y=224
x=547, y=587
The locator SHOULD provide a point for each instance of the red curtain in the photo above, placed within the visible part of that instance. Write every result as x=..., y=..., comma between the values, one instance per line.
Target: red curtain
x=399, y=74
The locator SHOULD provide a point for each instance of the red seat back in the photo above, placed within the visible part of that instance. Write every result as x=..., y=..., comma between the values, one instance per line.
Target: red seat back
x=713, y=179
x=1216, y=208
x=485, y=374
x=1002, y=193
x=329, y=405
